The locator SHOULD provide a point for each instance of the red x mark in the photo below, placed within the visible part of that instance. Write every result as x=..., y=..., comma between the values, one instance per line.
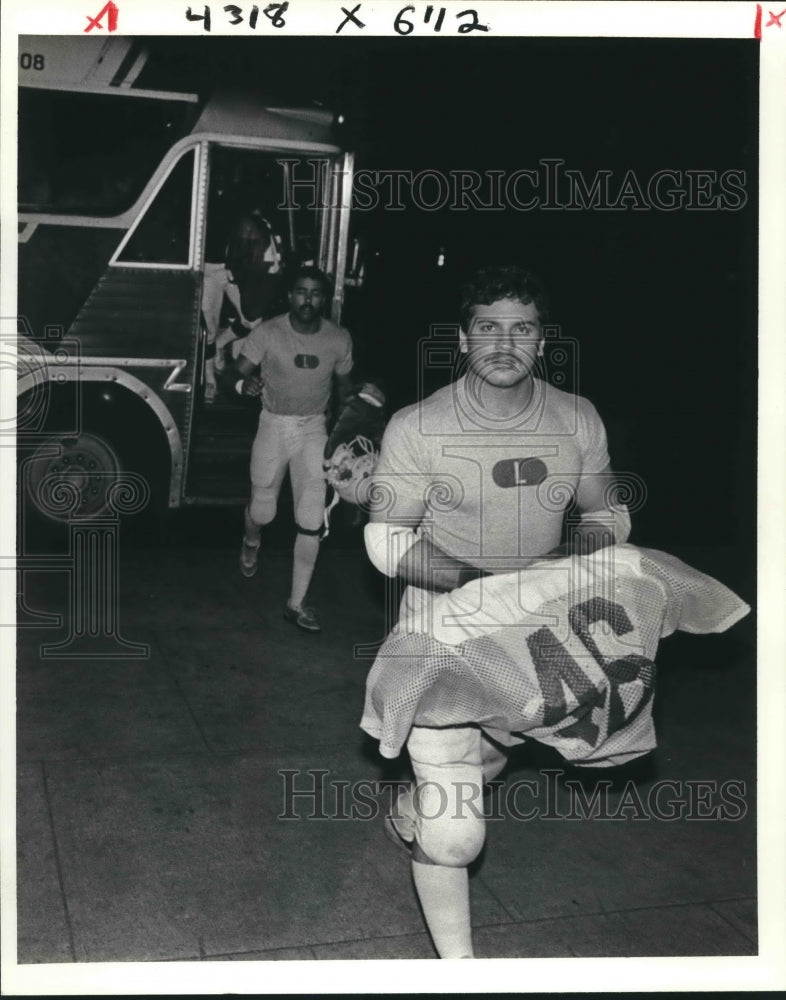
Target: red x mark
x=111, y=11
x=775, y=18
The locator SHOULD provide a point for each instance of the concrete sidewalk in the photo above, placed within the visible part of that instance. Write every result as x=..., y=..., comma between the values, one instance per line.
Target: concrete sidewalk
x=151, y=790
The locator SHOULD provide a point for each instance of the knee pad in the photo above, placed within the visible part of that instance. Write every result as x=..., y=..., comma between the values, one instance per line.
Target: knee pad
x=310, y=508
x=262, y=506
x=447, y=835
x=453, y=844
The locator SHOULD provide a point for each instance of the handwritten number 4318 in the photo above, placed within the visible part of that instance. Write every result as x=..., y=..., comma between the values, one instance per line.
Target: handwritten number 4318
x=274, y=12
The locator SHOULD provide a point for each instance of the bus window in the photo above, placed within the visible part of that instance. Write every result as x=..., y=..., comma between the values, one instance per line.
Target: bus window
x=162, y=234
x=91, y=154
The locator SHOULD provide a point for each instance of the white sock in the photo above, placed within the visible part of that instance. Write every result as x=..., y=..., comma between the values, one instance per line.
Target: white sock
x=444, y=897
x=305, y=558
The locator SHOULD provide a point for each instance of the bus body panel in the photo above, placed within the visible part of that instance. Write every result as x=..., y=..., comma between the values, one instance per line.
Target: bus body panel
x=58, y=268
x=140, y=313
x=136, y=317
x=112, y=384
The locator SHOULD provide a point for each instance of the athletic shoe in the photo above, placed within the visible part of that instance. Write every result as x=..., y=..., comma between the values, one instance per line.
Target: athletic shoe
x=248, y=558
x=304, y=618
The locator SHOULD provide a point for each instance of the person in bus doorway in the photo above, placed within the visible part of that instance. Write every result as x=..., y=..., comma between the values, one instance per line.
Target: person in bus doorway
x=247, y=278
x=293, y=362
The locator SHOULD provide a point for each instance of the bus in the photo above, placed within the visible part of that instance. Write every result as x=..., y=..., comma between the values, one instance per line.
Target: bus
x=125, y=199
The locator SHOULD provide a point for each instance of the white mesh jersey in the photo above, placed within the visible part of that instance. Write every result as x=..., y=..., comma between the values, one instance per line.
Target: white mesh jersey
x=492, y=488
x=297, y=368
x=563, y=653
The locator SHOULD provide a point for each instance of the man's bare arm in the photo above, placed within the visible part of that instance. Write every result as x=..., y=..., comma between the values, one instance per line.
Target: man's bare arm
x=600, y=525
x=242, y=370
x=426, y=565
x=343, y=386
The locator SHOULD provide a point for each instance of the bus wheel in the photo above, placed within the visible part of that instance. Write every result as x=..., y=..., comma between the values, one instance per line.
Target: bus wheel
x=71, y=476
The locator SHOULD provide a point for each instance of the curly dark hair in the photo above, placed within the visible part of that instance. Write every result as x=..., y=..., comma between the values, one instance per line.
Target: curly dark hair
x=308, y=271
x=505, y=281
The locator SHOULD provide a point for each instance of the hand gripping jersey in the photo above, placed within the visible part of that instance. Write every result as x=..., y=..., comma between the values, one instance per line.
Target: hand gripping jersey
x=562, y=652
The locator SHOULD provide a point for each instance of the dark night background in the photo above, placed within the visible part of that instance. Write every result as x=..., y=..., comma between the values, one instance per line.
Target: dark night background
x=662, y=304
x=145, y=787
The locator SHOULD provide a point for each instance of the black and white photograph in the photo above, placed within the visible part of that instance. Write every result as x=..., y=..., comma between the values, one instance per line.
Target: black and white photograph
x=387, y=574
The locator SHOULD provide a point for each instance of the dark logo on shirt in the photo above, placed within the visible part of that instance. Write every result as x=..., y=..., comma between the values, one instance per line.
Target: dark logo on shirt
x=306, y=361
x=519, y=472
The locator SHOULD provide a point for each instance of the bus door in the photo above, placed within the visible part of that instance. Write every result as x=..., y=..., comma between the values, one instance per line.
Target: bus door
x=335, y=228
x=263, y=220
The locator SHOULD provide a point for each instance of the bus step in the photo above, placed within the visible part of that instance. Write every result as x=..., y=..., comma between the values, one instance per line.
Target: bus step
x=240, y=413
x=216, y=481
x=212, y=501
x=220, y=449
